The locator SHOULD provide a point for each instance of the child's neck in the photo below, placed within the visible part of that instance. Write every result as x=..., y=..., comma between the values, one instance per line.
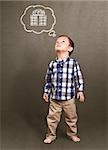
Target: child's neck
x=62, y=56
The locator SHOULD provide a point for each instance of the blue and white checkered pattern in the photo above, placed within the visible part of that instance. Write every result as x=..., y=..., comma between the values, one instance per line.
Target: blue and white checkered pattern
x=56, y=82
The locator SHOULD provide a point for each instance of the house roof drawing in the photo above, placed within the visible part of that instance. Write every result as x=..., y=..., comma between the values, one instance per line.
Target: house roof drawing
x=38, y=12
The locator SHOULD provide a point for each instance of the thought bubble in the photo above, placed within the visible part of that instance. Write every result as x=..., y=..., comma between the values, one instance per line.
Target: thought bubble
x=39, y=19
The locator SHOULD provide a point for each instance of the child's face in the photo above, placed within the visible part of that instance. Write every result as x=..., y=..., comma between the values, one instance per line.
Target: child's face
x=62, y=45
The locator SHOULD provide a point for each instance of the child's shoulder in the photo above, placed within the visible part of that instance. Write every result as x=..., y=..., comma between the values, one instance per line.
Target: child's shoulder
x=51, y=63
x=73, y=60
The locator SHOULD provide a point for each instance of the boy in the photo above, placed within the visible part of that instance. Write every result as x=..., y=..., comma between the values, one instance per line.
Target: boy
x=62, y=78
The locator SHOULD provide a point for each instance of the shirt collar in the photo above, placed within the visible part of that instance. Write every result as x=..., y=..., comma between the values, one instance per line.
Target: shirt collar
x=62, y=60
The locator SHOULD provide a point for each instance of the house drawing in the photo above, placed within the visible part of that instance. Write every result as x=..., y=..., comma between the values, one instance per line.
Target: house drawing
x=38, y=18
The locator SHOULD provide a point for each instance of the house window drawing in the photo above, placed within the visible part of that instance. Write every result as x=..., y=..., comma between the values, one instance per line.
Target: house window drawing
x=38, y=18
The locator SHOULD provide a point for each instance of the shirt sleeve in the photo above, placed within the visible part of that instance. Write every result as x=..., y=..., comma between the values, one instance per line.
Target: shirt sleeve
x=48, y=83
x=78, y=77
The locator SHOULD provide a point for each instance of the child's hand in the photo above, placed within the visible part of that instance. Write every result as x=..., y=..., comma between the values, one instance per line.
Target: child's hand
x=45, y=97
x=80, y=96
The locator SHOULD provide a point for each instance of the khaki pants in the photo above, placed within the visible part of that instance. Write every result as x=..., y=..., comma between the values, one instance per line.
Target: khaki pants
x=55, y=111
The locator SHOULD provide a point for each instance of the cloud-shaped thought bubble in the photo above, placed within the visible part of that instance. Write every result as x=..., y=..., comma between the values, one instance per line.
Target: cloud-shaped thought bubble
x=39, y=19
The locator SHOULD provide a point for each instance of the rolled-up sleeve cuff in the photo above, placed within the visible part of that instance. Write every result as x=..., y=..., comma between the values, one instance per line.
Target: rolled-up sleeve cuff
x=81, y=89
x=47, y=91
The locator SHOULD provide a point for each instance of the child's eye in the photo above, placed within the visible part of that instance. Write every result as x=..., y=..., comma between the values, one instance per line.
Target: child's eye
x=63, y=41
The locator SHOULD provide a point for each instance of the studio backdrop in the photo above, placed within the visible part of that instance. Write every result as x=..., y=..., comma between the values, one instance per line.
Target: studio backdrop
x=26, y=53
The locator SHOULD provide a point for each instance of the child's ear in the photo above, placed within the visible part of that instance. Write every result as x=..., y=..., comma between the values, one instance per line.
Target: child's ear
x=70, y=49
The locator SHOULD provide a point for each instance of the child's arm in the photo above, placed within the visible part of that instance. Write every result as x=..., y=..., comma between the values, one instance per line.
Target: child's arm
x=48, y=85
x=79, y=82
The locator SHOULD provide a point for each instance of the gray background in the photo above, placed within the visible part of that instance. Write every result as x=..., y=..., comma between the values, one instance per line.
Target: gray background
x=25, y=57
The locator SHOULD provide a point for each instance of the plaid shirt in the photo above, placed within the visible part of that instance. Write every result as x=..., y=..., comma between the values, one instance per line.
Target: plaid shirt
x=61, y=78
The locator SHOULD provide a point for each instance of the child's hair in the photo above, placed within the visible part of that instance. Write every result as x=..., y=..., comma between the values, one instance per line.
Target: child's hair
x=71, y=43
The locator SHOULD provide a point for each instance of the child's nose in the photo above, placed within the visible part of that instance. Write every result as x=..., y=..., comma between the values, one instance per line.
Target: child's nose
x=59, y=42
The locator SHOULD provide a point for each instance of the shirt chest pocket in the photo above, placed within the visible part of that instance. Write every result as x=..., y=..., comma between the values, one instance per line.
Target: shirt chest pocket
x=54, y=75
